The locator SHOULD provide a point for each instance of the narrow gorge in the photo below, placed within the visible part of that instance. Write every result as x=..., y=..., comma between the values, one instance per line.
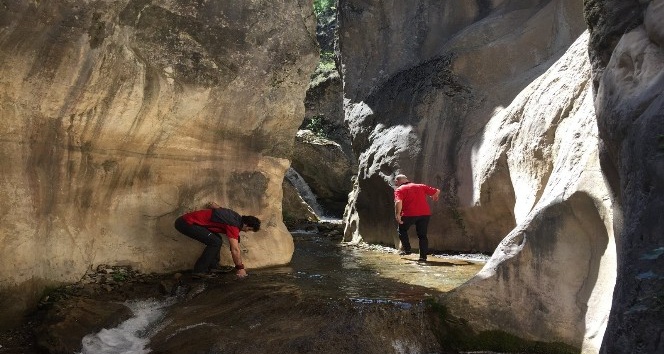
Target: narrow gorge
x=540, y=121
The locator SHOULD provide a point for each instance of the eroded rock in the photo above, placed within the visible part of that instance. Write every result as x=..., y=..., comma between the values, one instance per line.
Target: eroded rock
x=120, y=116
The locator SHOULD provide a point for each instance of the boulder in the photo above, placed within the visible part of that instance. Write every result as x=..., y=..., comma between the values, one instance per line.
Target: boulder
x=295, y=209
x=120, y=116
x=325, y=168
x=70, y=320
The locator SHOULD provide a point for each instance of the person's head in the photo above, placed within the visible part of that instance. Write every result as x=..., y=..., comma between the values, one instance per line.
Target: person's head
x=250, y=223
x=400, y=179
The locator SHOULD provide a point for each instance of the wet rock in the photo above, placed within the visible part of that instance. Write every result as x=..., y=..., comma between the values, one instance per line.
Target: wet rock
x=70, y=320
x=169, y=286
x=295, y=210
x=261, y=318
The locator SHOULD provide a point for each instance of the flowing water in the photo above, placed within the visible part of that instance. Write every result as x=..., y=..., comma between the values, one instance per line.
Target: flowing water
x=305, y=191
x=330, y=298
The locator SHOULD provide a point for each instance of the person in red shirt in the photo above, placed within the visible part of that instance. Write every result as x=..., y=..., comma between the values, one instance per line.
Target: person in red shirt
x=205, y=226
x=411, y=208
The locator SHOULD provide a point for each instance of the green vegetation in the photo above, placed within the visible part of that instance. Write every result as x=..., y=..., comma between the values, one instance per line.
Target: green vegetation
x=119, y=277
x=456, y=334
x=326, y=63
x=323, y=6
x=317, y=125
x=325, y=11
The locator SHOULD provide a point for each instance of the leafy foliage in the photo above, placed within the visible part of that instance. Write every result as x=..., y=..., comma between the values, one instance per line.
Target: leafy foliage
x=318, y=125
x=321, y=6
x=326, y=62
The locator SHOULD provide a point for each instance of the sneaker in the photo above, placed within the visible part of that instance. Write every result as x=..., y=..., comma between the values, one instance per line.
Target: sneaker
x=422, y=260
x=404, y=253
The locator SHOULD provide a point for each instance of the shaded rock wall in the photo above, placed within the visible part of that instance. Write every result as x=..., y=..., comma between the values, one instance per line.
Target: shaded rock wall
x=419, y=91
x=326, y=169
x=629, y=76
x=119, y=116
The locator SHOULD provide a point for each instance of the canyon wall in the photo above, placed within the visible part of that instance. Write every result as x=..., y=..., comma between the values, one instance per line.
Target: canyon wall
x=627, y=54
x=551, y=278
x=420, y=90
x=492, y=102
x=119, y=116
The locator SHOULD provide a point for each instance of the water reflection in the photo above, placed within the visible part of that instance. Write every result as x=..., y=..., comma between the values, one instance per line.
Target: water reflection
x=328, y=269
x=330, y=299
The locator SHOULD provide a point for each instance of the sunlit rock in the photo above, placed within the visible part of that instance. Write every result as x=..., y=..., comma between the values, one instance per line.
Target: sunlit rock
x=422, y=107
x=552, y=277
x=119, y=116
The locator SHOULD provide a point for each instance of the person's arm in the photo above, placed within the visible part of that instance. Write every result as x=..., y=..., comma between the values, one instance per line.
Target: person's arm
x=237, y=257
x=397, y=211
x=436, y=195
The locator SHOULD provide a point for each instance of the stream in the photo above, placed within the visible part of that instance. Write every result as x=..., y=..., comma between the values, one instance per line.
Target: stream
x=330, y=298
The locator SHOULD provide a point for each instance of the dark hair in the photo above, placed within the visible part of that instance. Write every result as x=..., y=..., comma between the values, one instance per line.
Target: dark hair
x=251, y=221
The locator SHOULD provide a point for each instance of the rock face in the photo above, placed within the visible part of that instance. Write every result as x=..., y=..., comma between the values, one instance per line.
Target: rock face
x=491, y=102
x=326, y=169
x=295, y=209
x=422, y=107
x=117, y=117
x=552, y=277
x=629, y=62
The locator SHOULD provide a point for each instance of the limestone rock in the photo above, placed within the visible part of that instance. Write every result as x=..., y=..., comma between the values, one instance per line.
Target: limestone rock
x=324, y=110
x=70, y=320
x=552, y=277
x=119, y=116
x=326, y=169
x=629, y=105
x=295, y=209
x=422, y=107
x=492, y=103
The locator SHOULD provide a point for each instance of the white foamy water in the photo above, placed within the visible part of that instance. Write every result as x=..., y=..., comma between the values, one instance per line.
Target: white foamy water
x=132, y=335
x=305, y=191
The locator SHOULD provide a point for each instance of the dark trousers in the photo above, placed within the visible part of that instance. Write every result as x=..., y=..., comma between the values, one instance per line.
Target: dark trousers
x=210, y=256
x=421, y=225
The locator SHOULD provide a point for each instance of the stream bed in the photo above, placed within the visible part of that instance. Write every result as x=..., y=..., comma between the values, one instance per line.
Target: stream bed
x=331, y=298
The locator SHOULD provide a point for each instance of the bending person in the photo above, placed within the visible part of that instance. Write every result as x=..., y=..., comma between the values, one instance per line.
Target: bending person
x=205, y=225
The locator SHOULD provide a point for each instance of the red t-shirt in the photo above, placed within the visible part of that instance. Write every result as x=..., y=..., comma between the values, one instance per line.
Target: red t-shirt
x=413, y=197
x=203, y=218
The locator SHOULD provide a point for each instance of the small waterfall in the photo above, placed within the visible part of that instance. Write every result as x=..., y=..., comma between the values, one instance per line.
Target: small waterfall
x=132, y=335
x=305, y=192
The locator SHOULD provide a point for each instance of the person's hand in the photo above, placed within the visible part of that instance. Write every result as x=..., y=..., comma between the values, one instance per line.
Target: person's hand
x=436, y=195
x=213, y=205
x=241, y=274
x=398, y=217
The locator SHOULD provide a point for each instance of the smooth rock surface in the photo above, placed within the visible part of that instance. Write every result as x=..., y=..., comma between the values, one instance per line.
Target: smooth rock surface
x=117, y=117
x=326, y=169
x=552, y=277
x=421, y=108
